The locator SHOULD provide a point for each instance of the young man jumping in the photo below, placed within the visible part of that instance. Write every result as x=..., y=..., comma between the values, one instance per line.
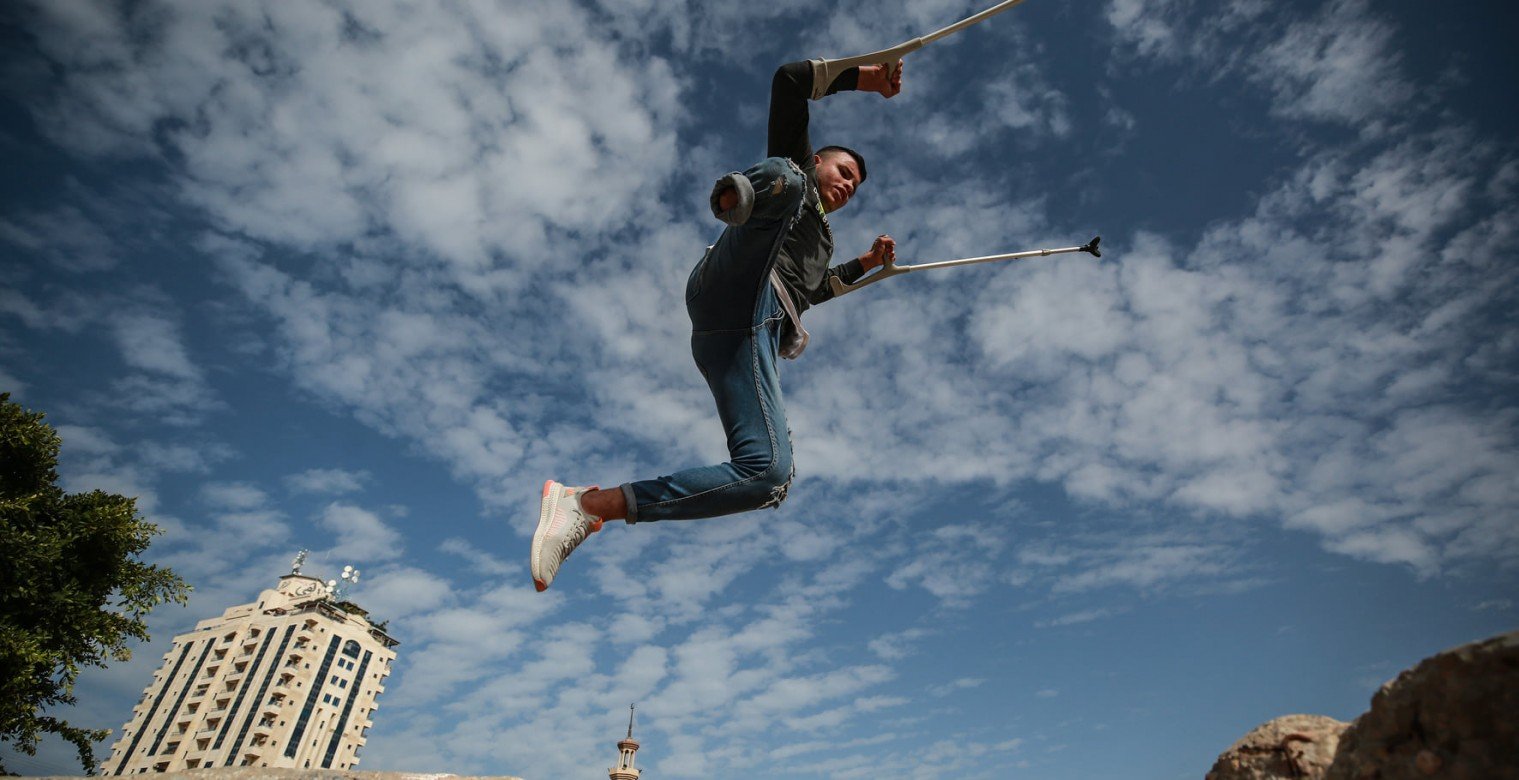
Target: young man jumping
x=745, y=298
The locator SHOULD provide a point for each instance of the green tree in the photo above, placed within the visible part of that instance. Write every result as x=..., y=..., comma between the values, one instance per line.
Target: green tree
x=72, y=591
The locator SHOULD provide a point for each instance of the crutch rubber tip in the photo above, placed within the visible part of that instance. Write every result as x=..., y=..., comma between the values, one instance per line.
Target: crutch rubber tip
x=1092, y=247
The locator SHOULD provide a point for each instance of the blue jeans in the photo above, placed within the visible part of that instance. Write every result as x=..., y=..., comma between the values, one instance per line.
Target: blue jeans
x=735, y=339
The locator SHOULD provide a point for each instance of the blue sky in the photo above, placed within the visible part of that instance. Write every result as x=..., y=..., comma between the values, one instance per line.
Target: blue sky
x=360, y=280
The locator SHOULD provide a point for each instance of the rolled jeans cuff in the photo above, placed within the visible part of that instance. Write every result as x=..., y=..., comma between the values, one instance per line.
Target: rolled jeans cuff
x=741, y=185
x=627, y=495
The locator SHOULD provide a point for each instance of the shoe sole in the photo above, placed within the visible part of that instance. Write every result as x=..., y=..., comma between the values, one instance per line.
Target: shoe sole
x=547, y=507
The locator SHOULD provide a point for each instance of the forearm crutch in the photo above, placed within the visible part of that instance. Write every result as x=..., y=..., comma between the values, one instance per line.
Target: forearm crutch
x=890, y=268
x=825, y=71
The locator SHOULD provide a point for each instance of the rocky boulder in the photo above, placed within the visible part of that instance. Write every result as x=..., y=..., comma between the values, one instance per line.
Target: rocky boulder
x=1292, y=746
x=1455, y=715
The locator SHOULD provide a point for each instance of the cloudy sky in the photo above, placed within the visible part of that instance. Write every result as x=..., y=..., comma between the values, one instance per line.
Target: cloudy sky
x=358, y=279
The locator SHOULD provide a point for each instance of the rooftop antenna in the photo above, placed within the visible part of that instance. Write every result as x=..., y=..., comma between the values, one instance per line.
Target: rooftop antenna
x=350, y=576
x=300, y=560
x=630, y=721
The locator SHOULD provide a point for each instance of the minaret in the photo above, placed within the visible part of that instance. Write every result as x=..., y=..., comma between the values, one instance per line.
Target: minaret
x=628, y=747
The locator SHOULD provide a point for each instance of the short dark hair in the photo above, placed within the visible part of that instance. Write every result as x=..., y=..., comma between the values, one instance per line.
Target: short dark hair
x=859, y=159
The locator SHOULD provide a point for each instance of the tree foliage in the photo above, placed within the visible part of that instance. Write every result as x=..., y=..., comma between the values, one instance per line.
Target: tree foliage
x=73, y=593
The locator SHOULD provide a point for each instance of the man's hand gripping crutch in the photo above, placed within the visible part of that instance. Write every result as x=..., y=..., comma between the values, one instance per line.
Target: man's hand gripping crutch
x=888, y=65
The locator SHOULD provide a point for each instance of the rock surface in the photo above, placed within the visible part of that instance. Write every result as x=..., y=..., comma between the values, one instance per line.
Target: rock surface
x=1455, y=715
x=1292, y=746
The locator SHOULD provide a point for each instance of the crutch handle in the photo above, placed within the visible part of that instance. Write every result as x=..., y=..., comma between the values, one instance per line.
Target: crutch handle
x=1091, y=247
x=888, y=270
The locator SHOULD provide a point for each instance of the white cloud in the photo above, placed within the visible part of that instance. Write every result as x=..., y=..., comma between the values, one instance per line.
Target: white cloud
x=361, y=535
x=957, y=685
x=65, y=235
x=1337, y=65
x=1143, y=25
x=12, y=385
x=1024, y=101
x=327, y=481
x=955, y=564
x=233, y=495
x=162, y=382
x=192, y=458
x=896, y=646
x=397, y=592
x=479, y=560
x=152, y=343
x=85, y=441
x=1340, y=66
x=1144, y=566
x=1078, y=617
x=301, y=138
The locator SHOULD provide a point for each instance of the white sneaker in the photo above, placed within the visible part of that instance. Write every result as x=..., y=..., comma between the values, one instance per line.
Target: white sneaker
x=562, y=526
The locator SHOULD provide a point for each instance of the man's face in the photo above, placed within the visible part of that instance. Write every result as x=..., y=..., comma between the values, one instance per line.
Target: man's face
x=838, y=174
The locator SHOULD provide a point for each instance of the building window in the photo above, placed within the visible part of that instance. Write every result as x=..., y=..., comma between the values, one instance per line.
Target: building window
x=351, y=649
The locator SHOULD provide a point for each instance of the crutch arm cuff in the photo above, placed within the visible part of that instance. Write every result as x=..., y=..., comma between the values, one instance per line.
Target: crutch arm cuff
x=830, y=76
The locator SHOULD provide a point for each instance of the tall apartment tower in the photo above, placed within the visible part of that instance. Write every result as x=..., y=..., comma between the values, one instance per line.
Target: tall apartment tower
x=627, y=749
x=287, y=681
